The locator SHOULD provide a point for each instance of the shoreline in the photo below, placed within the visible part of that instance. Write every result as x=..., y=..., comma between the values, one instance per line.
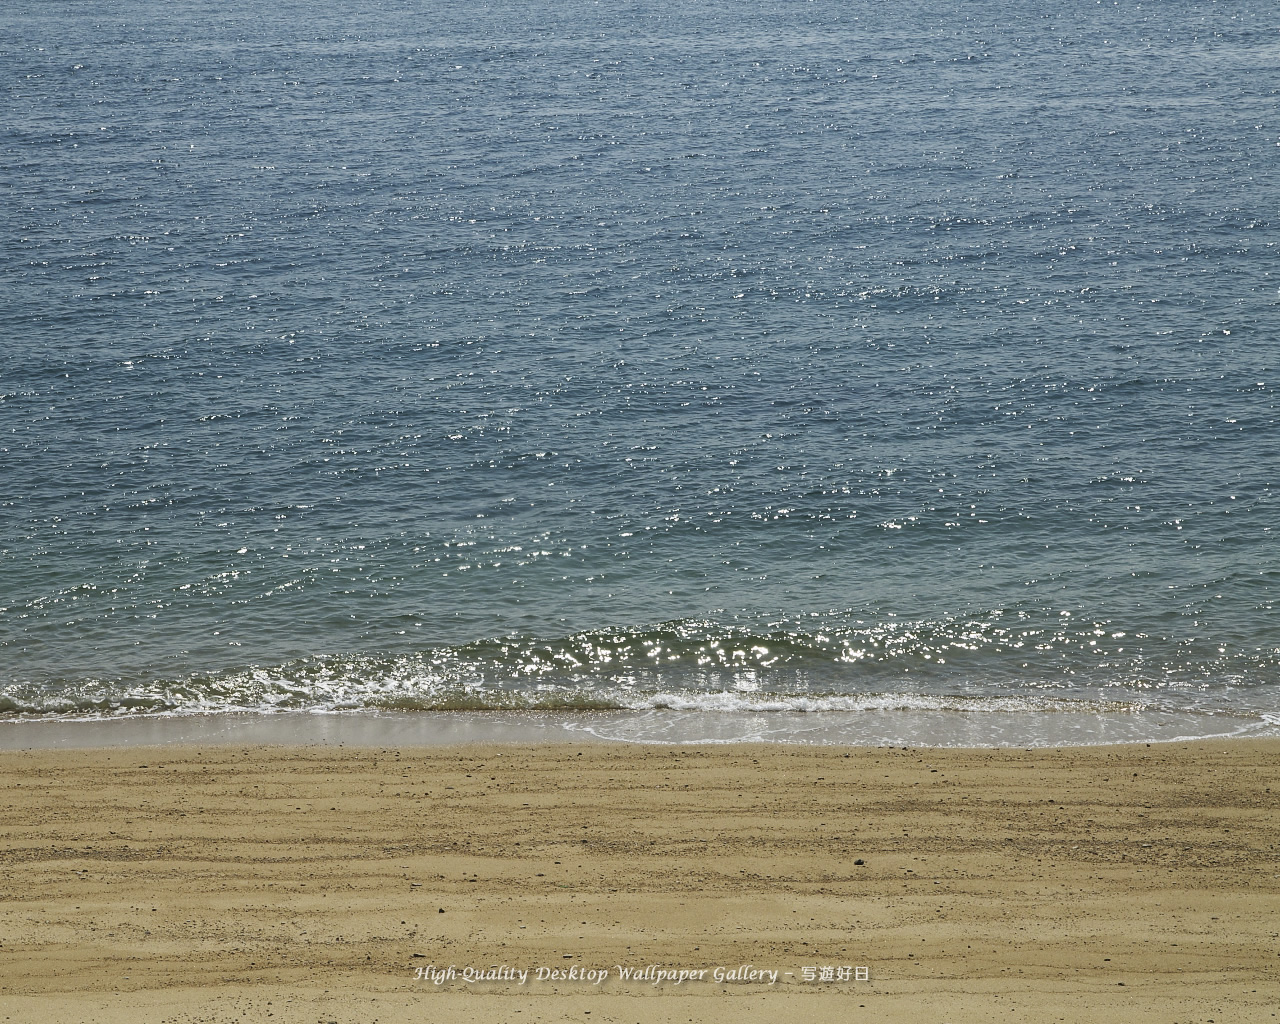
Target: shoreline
x=912, y=728
x=219, y=882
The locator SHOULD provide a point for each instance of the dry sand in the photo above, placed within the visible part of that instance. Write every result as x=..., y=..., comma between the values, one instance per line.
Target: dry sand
x=308, y=884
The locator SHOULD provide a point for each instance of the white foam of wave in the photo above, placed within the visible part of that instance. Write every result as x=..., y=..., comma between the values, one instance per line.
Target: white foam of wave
x=917, y=728
x=728, y=701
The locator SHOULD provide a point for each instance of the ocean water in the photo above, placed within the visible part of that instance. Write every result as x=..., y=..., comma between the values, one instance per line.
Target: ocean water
x=814, y=357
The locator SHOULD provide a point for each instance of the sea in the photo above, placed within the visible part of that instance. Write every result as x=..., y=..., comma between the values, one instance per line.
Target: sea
x=823, y=370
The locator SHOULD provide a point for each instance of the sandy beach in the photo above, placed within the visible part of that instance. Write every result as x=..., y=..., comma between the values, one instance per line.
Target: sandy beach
x=320, y=884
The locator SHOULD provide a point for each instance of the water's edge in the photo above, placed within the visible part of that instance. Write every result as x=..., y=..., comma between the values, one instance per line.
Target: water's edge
x=856, y=729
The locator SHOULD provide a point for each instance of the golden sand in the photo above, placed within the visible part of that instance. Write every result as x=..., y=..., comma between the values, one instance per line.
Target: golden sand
x=315, y=884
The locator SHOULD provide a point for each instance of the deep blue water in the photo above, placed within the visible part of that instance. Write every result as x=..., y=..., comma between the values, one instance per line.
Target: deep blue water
x=704, y=354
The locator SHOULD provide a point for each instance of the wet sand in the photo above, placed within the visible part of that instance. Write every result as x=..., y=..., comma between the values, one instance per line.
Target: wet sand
x=313, y=884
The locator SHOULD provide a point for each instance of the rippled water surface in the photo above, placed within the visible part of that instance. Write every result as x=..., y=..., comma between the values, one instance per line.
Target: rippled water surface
x=780, y=357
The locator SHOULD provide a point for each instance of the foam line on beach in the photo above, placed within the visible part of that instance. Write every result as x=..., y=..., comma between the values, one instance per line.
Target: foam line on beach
x=868, y=728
